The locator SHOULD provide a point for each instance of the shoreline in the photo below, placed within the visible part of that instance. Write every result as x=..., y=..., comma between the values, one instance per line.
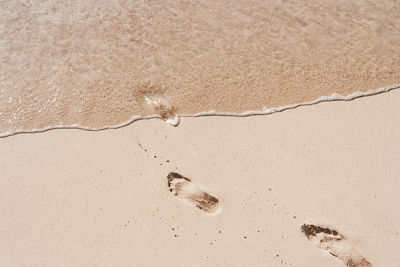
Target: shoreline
x=266, y=111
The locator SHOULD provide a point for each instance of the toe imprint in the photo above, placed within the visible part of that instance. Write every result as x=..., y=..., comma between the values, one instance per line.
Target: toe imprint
x=335, y=243
x=184, y=188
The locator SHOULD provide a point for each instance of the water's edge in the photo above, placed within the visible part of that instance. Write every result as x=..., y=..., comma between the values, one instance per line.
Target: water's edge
x=265, y=111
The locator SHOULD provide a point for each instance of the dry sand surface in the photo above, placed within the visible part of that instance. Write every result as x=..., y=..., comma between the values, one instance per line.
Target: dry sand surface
x=93, y=63
x=80, y=198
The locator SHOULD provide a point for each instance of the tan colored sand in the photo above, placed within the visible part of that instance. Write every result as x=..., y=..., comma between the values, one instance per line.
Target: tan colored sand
x=91, y=62
x=78, y=198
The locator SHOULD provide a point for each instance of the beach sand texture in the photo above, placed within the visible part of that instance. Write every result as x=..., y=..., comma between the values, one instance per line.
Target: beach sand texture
x=323, y=172
x=93, y=63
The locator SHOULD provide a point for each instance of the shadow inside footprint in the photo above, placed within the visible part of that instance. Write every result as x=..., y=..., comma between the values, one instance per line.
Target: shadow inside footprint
x=184, y=188
x=335, y=243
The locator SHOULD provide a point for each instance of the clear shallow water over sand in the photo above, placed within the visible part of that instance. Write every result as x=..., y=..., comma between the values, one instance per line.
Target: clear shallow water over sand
x=92, y=65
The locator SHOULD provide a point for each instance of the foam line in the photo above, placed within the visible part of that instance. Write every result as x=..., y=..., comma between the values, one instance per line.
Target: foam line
x=265, y=111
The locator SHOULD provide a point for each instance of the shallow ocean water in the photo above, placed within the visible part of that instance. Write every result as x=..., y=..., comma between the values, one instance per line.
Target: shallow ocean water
x=89, y=65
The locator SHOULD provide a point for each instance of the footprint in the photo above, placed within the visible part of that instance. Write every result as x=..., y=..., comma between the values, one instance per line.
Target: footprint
x=336, y=244
x=184, y=188
x=151, y=100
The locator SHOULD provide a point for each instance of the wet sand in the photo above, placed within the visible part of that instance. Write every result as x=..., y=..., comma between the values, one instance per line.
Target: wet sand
x=73, y=197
